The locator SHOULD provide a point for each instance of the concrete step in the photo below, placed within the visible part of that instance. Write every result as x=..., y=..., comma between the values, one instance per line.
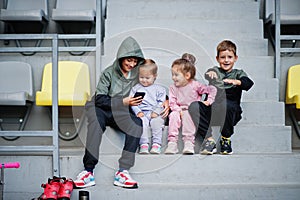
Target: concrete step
x=166, y=174
x=263, y=113
x=183, y=9
x=262, y=90
x=196, y=192
x=198, y=29
x=247, y=139
x=163, y=41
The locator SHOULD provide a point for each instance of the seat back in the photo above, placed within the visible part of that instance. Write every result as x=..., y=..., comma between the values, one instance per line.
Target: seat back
x=27, y=5
x=16, y=83
x=76, y=4
x=293, y=86
x=25, y=10
x=73, y=84
x=74, y=10
x=289, y=11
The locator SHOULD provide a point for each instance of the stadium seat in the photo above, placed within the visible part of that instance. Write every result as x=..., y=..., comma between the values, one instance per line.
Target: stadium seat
x=73, y=92
x=25, y=17
x=292, y=98
x=293, y=86
x=16, y=95
x=289, y=12
x=75, y=17
x=26, y=11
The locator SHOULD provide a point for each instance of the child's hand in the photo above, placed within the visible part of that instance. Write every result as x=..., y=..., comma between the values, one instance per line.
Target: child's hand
x=154, y=115
x=232, y=81
x=206, y=103
x=212, y=74
x=140, y=114
x=132, y=101
x=166, y=110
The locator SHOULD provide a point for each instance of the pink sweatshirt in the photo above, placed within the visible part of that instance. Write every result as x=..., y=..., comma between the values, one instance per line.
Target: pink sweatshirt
x=181, y=97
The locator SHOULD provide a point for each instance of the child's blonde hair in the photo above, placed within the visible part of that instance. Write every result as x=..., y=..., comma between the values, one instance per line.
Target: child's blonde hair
x=185, y=67
x=150, y=65
x=226, y=45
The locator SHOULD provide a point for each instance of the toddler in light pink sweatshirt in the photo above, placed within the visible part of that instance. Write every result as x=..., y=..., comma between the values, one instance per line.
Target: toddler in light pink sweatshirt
x=182, y=93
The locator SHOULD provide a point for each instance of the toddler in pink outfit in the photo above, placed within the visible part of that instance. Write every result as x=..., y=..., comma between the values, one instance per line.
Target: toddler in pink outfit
x=182, y=93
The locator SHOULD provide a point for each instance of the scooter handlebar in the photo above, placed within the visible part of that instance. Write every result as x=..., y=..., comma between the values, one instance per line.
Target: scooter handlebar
x=10, y=165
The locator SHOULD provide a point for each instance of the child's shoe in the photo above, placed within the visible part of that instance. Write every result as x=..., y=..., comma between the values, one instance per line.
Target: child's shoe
x=85, y=179
x=225, y=146
x=123, y=179
x=172, y=148
x=155, y=149
x=144, y=149
x=65, y=190
x=208, y=147
x=188, y=148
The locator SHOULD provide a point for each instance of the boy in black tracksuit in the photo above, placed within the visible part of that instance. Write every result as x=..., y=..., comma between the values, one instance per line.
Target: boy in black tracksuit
x=226, y=110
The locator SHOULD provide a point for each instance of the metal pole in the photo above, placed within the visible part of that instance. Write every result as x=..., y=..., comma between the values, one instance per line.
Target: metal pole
x=277, y=39
x=55, y=140
x=99, y=21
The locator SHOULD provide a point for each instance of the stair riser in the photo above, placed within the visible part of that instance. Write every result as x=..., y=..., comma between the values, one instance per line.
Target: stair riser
x=174, y=42
x=183, y=10
x=213, y=28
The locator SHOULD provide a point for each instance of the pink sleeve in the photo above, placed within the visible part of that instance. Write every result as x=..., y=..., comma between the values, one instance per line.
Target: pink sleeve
x=173, y=99
x=212, y=92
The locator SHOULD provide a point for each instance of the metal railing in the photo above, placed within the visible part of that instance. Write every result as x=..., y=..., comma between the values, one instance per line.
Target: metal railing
x=55, y=49
x=279, y=38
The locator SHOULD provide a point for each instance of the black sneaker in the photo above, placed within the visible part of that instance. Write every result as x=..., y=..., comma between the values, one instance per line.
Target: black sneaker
x=225, y=146
x=208, y=147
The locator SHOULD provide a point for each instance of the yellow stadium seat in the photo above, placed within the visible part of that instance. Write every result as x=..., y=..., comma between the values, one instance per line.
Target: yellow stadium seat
x=73, y=93
x=73, y=84
x=293, y=86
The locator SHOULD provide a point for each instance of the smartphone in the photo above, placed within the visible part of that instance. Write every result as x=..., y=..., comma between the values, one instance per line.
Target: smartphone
x=138, y=94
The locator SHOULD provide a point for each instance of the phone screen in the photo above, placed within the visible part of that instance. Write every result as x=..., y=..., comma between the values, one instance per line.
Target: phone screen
x=138, y=94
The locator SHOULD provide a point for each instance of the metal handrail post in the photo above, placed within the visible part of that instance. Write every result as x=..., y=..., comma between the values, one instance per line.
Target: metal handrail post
x=277, y=40
x=99, y=21
x=55, y=140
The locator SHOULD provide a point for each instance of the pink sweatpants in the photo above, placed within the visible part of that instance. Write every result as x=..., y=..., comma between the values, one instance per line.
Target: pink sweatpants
x=188, y=127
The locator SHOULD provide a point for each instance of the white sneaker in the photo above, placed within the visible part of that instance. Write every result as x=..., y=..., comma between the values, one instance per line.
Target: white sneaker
x=172, y=148
x=85, y=179
x=123, y=179
x=155, y=149
x=144, y=149
x=188, y=148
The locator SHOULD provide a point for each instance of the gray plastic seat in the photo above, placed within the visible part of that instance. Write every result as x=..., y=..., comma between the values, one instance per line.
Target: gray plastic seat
x=25, y=17
x=16, y=93
x=16, y=86
x=74, y=10
x=25, y=10
x=289, y=12
x=75, y=17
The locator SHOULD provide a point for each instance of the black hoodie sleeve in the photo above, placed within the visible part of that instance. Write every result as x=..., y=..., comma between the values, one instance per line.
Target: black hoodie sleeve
x=246, y=83
x=103, y=101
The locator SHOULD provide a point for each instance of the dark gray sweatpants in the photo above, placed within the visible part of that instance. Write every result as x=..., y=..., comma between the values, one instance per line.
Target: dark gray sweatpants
x=121, y=119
